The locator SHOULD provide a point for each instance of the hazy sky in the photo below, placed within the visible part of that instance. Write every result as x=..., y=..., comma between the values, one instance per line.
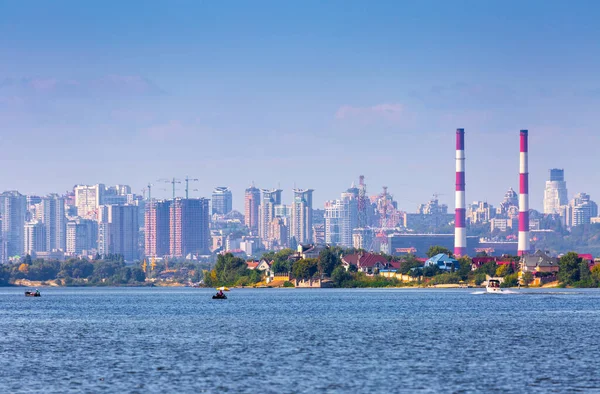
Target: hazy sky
x=306, y=92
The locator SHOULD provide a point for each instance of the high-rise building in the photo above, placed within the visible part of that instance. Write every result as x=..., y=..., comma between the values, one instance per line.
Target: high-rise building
x=157, y=228
x=13, y=208
x=341, y=218
x=118, y=230
x=222, y=201
x=270, y=199
x=555, y=193
x=55, y=221
x=189, y=227
x=34, y=238
x=302, y=212
x=580, y=210
x=88, y=199
x=278, y=232
x=251, y=208
x=82, y=235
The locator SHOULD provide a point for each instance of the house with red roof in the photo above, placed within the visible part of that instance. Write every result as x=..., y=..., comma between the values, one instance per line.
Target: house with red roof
x=369, y=263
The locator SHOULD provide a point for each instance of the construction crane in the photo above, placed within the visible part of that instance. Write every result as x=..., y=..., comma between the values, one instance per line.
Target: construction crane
x=172, y=181
x=150, y=191
x=187, y=185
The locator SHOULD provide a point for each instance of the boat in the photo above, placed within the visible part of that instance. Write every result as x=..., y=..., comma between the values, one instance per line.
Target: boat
x=32, y=294
x=220, y=297
x=493, y=286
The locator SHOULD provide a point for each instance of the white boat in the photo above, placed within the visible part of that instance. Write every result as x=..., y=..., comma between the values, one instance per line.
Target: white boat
x=493, y=286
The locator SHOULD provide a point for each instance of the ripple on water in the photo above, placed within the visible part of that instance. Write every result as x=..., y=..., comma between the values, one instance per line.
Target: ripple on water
x=165, y=340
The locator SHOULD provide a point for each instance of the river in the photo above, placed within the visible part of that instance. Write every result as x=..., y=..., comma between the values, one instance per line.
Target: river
x=298, y=340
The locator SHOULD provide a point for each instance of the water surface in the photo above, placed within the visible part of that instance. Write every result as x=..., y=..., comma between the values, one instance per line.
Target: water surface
x=298, y=340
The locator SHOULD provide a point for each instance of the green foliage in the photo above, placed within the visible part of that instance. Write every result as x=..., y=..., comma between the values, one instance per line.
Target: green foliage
x=479, y=278
x=527, y=278
x=511, y=280
x=409, y=262
x=568, y=273
x=287, y=283
x=281, y=262
x=488, y=268
x=329, y=259
x=436, y=249
x=446, y=278
x=341, y=277
x=503, y=270
x=229, y=269
x=305, y=268
x=464, y=267
x=431, y=270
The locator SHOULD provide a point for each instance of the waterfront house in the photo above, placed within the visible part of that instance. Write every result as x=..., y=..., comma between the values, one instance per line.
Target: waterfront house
x=311, y=251
x=539, y=262
x=369, y=263
x=443, y=262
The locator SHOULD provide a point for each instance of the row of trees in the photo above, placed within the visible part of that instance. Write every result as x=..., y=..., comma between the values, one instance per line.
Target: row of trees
x=109, y=271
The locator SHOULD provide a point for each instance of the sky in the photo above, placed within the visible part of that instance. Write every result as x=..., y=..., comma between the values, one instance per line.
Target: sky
x=304, y=94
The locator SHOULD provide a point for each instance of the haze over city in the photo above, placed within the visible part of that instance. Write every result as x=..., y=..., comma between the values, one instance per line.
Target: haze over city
x=283, y=95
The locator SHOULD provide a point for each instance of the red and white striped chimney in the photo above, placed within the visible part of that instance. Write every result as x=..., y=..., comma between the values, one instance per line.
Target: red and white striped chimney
x=460, y=231
x=524, y=197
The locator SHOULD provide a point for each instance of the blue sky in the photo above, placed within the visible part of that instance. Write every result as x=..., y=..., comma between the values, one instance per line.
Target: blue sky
x=306, y=93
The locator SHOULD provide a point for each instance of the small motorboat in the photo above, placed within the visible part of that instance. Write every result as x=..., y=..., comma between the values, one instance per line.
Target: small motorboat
x=219, y=297
x=493, y=286
x=32, y=294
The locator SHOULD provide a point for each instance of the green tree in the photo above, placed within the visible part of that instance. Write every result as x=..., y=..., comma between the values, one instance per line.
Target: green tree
x=503, y=270
x=568, y=272
x=281, y=262
x=511, y=280
x=464, y=267
x=409, y=262
x=305, y=268
x=527, y=278
x=138, y=275
x=585, y=277
x=229, y=269
x=27, y=260
x=329, y=259
x=341, y=277
x=436, y=249
x=595, y=273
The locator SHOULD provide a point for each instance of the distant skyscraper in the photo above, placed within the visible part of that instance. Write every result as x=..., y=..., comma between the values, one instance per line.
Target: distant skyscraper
x=341, y=218
x=251, y=204
x=157, y=228
x=82, y=234
x=278, y=232
x=222, y=201
x=189, y=227
x=55, y=221
x=118, y=230
x=580, y=210
x=302, y=212
x=34, y=237
x=270, y=199
x=555, y=193
x=13, y=207
x=88, y=199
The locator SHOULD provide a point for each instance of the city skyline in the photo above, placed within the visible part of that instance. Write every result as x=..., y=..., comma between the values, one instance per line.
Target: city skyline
x=78, y=106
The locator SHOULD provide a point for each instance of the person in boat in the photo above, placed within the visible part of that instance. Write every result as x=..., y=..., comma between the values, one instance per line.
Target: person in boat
x=220, y=293
x=37, y=292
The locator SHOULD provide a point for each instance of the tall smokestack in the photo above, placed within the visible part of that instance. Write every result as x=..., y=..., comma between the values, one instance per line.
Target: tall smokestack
x=524, y=197
x=460, y=231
